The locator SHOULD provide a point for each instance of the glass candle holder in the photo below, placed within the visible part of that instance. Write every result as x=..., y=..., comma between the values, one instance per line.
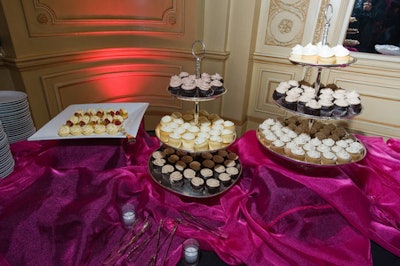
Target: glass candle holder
x=191, y=252
x=128, y=215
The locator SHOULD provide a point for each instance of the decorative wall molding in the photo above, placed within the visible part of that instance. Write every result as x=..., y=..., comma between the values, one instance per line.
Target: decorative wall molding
x=286, y=22
x=51, y=17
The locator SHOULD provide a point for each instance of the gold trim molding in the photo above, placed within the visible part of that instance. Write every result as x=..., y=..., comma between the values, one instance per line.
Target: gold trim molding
x=52, y=17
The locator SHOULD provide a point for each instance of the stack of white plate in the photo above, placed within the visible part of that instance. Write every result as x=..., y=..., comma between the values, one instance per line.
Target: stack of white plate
x=6, y=159
x=15, y=115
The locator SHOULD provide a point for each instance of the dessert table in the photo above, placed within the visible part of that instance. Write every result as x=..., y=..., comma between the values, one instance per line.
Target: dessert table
x=62, y=206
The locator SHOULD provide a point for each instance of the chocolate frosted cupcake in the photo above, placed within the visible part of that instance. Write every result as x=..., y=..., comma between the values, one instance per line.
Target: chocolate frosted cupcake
x=218, y=159
x=197, y=184
x=195, y=165
x=213, y=185
x=232, y=156
x=208, y=163
x=172, y=159
x=180, y=166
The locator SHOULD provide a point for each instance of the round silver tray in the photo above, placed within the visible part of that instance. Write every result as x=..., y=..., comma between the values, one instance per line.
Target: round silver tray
x=198, y=99
x=224, y=145
x=349, y=116
x=352, y=60
x=186, y=189
x=308, y=163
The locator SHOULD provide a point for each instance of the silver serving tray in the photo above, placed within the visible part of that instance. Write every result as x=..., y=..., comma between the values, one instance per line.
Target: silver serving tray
x=185, y=189
x=307, y=163
x=198, y=99
x=348, y=116
x=352, y=60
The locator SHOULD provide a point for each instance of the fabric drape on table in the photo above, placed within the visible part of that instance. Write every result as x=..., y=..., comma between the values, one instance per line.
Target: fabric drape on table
x=61, y=206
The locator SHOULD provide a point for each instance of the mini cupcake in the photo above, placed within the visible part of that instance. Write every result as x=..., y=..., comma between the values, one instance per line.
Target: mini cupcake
x=208, y=163
x=158, y=164
x=233, y=172
x=277, y=146
x=301, y=103
x=219, y=169
x=213, y=185
x=354, y=105
x=197, y=184
x=223, y=153
x=188, y=89
x=180, y=166
x=174, y=140
x=189, y=174
x=310, y=54
x=280, y=92
x=225, y=179
x=205, y=89
x=354, y=152
x=206, y=155
x=328, y=158
x=229, y=163
x=217, y=86
x=173, y=158
x=342, y=54
x=165, y=131
x=200, y=144
x=296, y=53
x=188, y=141
x=326, y=107
x=227, y=136
x=343, y=157
x=297, y=153
x=176, y=179
x=166, y=170
x=290, y=102
x=232, y=156
x=218, y=159
x=206, y=173
x=326, y=55
x=158, y=154
x=313, y=156
x=312, y=107
x=195, y=165
x=215, y=142
x=340, y=108
x=187, y=159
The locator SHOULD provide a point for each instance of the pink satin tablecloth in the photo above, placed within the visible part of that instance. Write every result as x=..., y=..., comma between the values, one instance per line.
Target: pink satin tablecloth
x=61, y=206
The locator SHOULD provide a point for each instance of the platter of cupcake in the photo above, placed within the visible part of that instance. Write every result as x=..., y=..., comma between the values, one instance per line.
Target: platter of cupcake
x=210, y=133
x=196, y=175
x=329, y=102
x=318, y=145
x=189, y=87
x=321, y=55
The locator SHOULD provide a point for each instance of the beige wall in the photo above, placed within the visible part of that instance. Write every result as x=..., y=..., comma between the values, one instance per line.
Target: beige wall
x=62, y=55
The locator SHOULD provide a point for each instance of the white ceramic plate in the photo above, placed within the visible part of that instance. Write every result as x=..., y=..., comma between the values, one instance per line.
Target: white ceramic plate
x=131, y=124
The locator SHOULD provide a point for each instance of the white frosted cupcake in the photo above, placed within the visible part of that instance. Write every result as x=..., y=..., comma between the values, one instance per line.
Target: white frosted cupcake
x=201, y=144
x=328, y=158
x=188, y=141
x=174, y=140
x=215, y=142
x=313, y=156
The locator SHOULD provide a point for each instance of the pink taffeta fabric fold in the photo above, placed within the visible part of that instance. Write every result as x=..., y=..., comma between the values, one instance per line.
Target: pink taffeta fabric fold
x=62, y=206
